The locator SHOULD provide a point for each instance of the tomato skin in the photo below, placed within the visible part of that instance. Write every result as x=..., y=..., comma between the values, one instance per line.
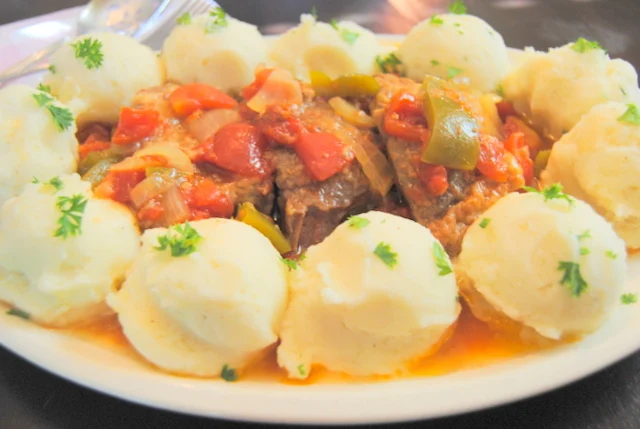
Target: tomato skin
x=434, y=178
x=207, y=196
x=117, y=185
x=491, y=160
x=238, y=148
x=135, y=125
x=252, y=89
x=198, y=96
x=515, y=144
x=404, y=118
x=323, y=154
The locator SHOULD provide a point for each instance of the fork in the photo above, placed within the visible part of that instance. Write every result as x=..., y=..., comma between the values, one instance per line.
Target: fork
x=161, y=20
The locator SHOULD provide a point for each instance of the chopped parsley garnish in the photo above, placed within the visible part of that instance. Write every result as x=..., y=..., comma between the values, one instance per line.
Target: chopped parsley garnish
x=228, y=374
x=347, y=35
x=584, y=251
x=500, y=90
x=611, y=254
x=631, y=115
x=62, y=117
x=314, y=12
x=181, y=239
x=18, y=313
x=386, y=254
x=302, y=370
x=629, y=298
x=458, y=7
x=52, y=69
x=44, y=88
x=55, y=182
x=72, y=208
x=553, y=192
x=572, y=278
x=586, y=234
x=89, y=50
x=484, y=223
x=436, y=20
x=219, y=19
x=453, y=72
x=435, y=63
x=292, y=264
x=389, y=64
x=583, y=45
x=184, y=19
x=358, y=222
x=441, y=259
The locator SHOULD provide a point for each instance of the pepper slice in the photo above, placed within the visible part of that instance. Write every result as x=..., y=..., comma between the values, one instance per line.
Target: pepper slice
x=355, y=85
x=247, y=213
x=453, y=140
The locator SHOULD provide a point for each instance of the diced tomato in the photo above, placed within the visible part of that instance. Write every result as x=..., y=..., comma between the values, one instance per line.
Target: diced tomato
x=491, y=160
x=404, y=118
x=531, y=139
x=434, y=178
x=92, y=145
x=505, y=109
x=237, y=147
x=117, y=185
x=151, y=211
x=323, y=154
x=199, y=96
x=252, y=89
x=207, y=196
x=515, y=144
x=281, y=125
x=135, y=125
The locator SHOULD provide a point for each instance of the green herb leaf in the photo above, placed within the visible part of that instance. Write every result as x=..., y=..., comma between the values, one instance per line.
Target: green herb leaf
x=584, y=251
x=181, y=239
x=553, y=192
x=72, y=208
x=89, y=50
x=55, y=182
x=611, y=254
x=184, y=19
x=453, y=72
x=441, y=259
x=585, y=234
x=631, y=115
x=35, y=180
x=629, y=298
x=219, y=20
x=386, y=254
x=44, y=88
x=314, y=12
x=302, y=370
x=436, y=20
x=500, y=90
x=52, y=69
x=389, y=64
x=458, y=7
x=18, y=313
x=435, y=63
x=347, y=35
x=484, y=223
x=228, y=374
x=583, y=45
x=292, y=264
x=572, y=278
x=358, y=222
x=62, y=117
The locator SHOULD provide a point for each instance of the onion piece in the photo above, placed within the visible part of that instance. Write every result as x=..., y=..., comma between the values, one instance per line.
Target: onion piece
x=374, y=164
x=491, y=123
x=175, y=157
x=279, y=88
x=175, y=209
x=351, y=113
x=149, y=188
x=203, y=125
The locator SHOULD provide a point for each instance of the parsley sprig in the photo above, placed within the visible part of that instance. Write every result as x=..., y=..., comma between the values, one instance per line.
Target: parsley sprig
x=184, y=19
x=55, y=182
x=386, y=254
x=90, y=51
x=219, y=19
x=182, y=240
x=44, y=88
x=629, y=298
x=583, y=45
x=358, y=222
x=441, y=259
x=72, y=209
x=436, y=20
x=458, y=7
x=292, y=264
x=389, y=64
x=347, y=35
x=62, y=117
x=631, y=115
x=572, y=277
x=553, y=192
x=228, y=374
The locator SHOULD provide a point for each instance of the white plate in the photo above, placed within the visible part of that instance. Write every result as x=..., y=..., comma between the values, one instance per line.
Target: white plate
x=121, y=375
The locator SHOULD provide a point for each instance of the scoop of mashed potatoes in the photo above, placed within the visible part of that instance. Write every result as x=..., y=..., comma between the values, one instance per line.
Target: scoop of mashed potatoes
x=224, y=56
x=335, y=49
x=552, y=265
x=599, y=161
x=197, y=313
x=555, y=89
x=456, y=46
x=57, y=273
x=98, y=74
x=32, y=141
x=375, y=295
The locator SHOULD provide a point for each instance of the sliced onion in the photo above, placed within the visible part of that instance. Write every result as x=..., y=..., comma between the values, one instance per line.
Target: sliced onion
x=491, y=123
x=374, y=164
x=149, y=188
x=175, y=209
x=279, y=88
x=351, y=113
x=175, y=157
x=208, y=123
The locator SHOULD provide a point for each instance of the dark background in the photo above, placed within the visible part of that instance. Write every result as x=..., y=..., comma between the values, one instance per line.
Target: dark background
x=32, y=399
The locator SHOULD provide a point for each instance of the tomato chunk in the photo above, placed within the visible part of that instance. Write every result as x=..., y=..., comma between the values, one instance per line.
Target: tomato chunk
x=117, y=185
x=491, y=160
x=135, y=125
x=281, y=125
x=323, y=154
x=434, y=178
x=404, y=118
x=252, y=89
x=237, y=147
x=198, y=96
x=207, y=196
x=92, y=145
x=515, y=144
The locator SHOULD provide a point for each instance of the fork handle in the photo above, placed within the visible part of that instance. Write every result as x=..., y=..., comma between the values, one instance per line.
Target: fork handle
x=30, y=65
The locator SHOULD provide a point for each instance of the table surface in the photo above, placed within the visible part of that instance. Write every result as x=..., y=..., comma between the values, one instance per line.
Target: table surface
x=33, y=399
